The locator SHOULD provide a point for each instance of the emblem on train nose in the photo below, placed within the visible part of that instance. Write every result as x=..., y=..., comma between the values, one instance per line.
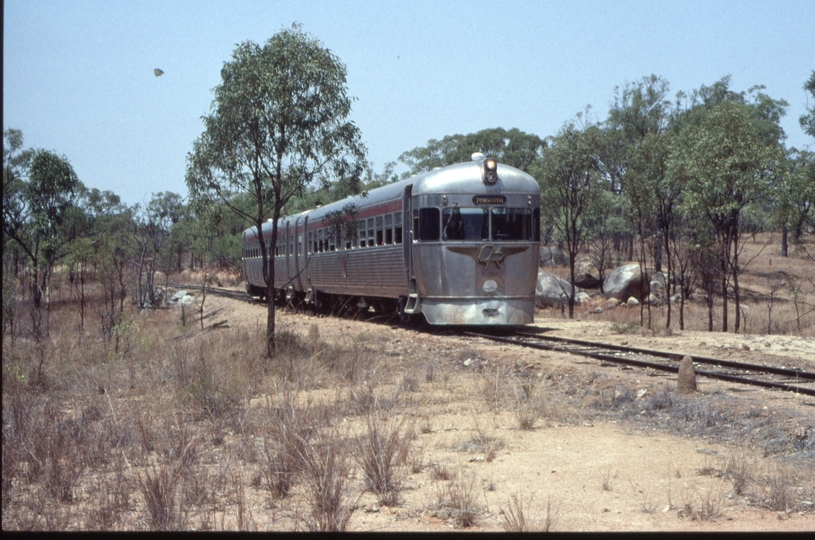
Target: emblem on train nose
x=488, y=253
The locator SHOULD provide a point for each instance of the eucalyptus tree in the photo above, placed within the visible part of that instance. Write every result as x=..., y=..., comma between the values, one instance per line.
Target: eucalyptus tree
x=16, y=208
x=115, y=252
x=727, y=161
x=795, y=198
x=278, y=125
x=512, y=147
x=640, y=109
x=570, y=189
x=151, y=237
x=655, y=197
x=38, y=219
x=15, y=170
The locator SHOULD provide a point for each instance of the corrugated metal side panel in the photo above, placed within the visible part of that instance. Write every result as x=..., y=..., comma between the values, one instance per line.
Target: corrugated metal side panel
x=376, y=271
x=281, y=272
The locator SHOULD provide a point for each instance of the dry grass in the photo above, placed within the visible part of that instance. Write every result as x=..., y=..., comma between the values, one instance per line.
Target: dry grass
x=515, y=517
x=203, y=433
x=531, y=401
x=456, y=500
x=705, y=506
x=325, y=464
x=381, y=452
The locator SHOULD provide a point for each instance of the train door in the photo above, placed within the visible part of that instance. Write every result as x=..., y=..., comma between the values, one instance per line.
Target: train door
x=412, y=302
x=299, y=232
x=407, y=228
x=286, y=253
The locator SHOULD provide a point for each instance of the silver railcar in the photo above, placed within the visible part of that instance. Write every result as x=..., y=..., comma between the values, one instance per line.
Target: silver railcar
x=458, y=244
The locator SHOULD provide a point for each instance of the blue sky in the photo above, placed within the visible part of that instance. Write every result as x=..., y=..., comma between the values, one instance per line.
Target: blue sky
x=78, y=74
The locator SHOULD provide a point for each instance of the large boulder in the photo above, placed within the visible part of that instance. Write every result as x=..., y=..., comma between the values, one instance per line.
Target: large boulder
x=552, y=256
x=551, y=291
x=586, y=280
x=624, y=282
x=586, y=275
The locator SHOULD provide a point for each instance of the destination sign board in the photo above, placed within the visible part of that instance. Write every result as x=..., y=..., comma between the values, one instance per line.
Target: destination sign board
x=489, y=199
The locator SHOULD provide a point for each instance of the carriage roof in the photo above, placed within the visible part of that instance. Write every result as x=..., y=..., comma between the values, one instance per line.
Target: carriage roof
x=459, y=178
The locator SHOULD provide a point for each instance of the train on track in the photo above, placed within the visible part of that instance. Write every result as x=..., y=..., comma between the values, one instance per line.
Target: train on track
x=458, y=245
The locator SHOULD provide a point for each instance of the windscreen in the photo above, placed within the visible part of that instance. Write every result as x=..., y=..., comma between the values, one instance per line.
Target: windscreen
x=512, y=224
x=465, y=224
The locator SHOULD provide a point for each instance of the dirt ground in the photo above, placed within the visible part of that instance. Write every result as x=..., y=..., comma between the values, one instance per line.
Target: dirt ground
x=589, y=472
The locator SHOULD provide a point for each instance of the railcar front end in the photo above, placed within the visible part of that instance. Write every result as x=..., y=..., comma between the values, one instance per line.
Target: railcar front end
x=475, y=248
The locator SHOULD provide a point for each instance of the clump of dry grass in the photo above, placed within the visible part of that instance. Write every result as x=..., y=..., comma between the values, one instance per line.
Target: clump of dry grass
x=707, y=506
x=325, y=464
x=439, y=471
x=380, y=453
x=494, y=387
x=456, y=500
x=531, y=402
x=112, y=500
x=161, y=492
x=287, y=426
x=480, y=442
x=625, y=327
x=514, y=518
x=172, y=486
x=608, y=483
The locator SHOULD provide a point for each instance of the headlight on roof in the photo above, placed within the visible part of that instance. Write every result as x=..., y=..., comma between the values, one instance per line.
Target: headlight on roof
x=490, y=171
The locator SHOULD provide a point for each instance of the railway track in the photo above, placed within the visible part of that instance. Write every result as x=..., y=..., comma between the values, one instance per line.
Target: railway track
x=792, y=380
x=218, y=291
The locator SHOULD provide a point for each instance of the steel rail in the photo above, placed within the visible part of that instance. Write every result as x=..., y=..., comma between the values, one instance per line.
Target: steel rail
x=801, y=374
x=641, y=363
x=230, y=293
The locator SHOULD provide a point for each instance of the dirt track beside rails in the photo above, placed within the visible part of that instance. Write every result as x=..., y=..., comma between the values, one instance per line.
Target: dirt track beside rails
x=582, y=467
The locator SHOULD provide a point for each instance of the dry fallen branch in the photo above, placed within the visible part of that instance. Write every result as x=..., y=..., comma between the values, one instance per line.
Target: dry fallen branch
x=219, y=324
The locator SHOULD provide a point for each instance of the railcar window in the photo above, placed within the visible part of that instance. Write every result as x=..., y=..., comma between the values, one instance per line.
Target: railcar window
x=371, y=236
x=536, y=224
x=465, y=224
x=361, y=230
x=512, y=224
x=388, y=228
x=397, y=230
x=429, y=226
x=379, y=231
x=332, y=240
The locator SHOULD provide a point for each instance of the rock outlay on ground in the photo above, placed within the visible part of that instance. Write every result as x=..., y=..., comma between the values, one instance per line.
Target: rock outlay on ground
x=624, y=282
x=686, y=382
x=551, y=291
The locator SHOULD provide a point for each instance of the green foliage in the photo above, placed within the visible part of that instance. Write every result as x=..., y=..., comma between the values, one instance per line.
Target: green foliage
x=725, y=161
x=640, y=108
x=807, y=121
x=278, y=126
x=278, y=129
x=570, y=182
x=512, y=147
x=571, y=185
x=794, y=198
